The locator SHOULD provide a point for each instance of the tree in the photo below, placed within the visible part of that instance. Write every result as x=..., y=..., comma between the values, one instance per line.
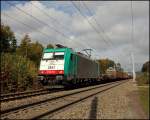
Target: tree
x=8, y=41
x=145, y=67
x=50, y=46
x=32, y=51
x=105, y=63
x=35, y=54
x=17, y=72
x=24, y=48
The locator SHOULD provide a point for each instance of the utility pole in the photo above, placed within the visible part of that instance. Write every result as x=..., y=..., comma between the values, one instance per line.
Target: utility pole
x=134, y=74
x=132, y=38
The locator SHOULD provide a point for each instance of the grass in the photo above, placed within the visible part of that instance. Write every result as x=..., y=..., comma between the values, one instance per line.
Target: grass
x=142, y=78
x=144, y=98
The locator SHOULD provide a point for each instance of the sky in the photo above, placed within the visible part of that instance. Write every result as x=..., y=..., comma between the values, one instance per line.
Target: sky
x=103, y=26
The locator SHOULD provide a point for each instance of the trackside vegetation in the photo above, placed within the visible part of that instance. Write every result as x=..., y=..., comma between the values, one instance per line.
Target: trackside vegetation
x=142, y=78
x=19, y=63
x=143, y=86
x=17, y=72
x=144, y=98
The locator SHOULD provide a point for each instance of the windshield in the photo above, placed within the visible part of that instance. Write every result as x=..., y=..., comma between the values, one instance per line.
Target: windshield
x=56, y=55
x=59, y=55
x=48, y=56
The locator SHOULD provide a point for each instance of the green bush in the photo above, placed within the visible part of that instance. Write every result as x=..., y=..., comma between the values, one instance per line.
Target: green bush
x=142, y=78
x=17, y=73
x=144, y=98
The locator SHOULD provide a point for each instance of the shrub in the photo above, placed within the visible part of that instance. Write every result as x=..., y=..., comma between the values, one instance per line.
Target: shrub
x=17, y=73
x=142, y=78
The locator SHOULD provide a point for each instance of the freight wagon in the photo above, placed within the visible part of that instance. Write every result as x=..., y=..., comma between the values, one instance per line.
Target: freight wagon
x=114, y=74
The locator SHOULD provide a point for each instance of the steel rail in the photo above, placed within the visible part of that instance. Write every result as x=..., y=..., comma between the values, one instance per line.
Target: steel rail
x=74, y=102
x=21, y=95
x=27, y=106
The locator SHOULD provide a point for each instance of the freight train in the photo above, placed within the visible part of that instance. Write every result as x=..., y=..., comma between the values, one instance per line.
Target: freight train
x=112, y=73
x=63, y=66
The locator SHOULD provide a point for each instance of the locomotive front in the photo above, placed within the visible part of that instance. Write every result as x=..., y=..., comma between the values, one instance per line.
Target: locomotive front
x=51, y=69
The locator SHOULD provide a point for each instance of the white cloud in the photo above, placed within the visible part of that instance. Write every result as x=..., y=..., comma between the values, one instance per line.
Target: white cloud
x=113, y=16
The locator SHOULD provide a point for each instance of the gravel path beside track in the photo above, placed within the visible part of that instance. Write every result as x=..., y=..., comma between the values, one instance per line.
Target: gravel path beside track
x=112, y=104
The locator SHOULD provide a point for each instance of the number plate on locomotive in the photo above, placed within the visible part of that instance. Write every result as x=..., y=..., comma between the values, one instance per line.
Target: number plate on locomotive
x=51, y=67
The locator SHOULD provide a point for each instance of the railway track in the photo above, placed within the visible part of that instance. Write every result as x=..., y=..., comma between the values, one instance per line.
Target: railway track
x=21, y=95
x=43, y=108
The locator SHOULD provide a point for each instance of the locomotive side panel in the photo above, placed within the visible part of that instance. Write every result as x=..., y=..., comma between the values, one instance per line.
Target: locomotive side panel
x=86, y=68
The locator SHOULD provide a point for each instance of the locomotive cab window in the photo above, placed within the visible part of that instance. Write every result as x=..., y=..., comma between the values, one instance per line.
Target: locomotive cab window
x=59, y=55
x=48, y=56
x=53, y=56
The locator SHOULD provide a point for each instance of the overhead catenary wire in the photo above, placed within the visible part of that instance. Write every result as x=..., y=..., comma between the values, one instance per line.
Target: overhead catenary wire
x=48, y=15
x=84, y=17
x=97, y=23
x=40, y=21
x=28, y=26
x=109, y=41
x=92, y=26
x=11, y=4
x=54, y=19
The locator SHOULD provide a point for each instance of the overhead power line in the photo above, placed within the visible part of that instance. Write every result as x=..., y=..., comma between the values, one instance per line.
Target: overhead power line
x=28, y=26
x=35, y=18
x=88, y=21
x=84, y=17
x=21, y=24
x=54, y=19
x=98, y=24
x=49, y=16
x=11, y=4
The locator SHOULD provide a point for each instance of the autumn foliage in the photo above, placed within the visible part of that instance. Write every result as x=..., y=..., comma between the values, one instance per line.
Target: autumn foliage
x=19, y=64
x=104, y=64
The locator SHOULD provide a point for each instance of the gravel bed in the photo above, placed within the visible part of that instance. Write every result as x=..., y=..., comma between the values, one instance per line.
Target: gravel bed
x=77, y=111
x=33, y=99
x=112, y=104
x=43, y=108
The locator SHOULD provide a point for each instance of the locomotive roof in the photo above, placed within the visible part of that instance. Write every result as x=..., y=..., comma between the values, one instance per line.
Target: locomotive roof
x=55, y=49
x=64, y=49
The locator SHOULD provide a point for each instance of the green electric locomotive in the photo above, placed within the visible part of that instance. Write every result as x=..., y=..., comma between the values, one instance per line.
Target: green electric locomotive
x=63, y=66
